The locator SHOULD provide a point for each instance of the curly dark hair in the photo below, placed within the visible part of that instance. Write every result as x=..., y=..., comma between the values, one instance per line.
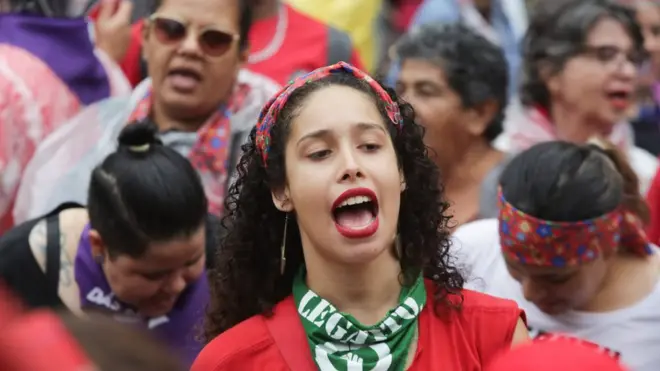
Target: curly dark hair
x=475, y=77
x=247, y=279
x=557, y=32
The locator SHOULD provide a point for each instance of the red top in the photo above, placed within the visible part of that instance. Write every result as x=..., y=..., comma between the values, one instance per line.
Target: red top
x=305, y=47
x=466, y=340
x=653, y=229
x=556, y=353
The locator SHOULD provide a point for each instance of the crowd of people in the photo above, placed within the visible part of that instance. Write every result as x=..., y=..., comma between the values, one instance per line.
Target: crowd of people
x=329, y=184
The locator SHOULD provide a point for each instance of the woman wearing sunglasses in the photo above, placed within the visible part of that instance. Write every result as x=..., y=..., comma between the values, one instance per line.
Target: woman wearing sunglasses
x=198, y=95
x=580, y=62
x=337, y=254
x=569, y=248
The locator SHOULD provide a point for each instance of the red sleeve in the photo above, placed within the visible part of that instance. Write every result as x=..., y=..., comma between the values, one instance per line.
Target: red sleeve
x=653, y=199
x=494, y=322
x=247, y=346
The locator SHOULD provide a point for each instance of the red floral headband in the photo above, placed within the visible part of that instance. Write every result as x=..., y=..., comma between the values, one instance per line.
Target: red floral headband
x=274, y=106
x=531, y=241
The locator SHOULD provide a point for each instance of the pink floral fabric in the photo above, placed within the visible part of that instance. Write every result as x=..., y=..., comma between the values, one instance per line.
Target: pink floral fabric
x=33, y=103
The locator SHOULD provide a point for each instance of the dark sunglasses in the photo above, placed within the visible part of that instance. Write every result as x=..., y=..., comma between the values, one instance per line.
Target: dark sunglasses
x=213, y=42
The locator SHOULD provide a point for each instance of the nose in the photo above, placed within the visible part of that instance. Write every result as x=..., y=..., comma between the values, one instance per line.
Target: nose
x=190, y=44
x=175, y=285
x=627, y=70
x=350, y=165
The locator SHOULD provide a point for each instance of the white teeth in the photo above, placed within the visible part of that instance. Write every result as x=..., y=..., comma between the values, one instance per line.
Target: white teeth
x=355, y=200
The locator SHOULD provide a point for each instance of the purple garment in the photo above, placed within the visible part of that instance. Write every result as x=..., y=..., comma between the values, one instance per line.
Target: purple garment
x=180, y=328
x=65, y=46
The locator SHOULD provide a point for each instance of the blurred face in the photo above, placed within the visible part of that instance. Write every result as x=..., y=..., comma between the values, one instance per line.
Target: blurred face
x=343, y=181
x=153, y=282
x=192, y=50
x=557, y=290
x=648, y=16
x=597, y=84
x=437, y=107
x=450, y=127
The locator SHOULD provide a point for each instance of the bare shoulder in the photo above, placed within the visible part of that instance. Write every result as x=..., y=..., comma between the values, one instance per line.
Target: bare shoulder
x=242, y=345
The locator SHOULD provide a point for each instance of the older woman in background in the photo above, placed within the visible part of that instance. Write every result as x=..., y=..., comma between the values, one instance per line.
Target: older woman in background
x=198, y=95
x=579, y=75
x=459, y=96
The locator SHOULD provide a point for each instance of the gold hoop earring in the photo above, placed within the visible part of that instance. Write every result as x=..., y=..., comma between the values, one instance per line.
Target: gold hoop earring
x=283, y=247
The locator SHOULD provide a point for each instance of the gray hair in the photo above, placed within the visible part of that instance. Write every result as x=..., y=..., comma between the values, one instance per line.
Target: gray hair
x=475, y=68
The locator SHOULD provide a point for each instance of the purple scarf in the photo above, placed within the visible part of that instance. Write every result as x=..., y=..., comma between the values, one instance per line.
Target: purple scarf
x=65, y=46
x=179, y=328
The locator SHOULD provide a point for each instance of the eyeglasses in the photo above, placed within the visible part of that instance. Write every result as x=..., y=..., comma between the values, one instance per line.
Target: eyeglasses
x=609, y=54
x=212, y=41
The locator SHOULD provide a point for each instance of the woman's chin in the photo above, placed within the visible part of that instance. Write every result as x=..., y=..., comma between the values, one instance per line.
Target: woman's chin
x=360, y=253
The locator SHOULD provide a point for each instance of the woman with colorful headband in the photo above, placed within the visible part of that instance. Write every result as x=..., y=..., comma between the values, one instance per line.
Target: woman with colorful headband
x=337, y=251
x=568, y=246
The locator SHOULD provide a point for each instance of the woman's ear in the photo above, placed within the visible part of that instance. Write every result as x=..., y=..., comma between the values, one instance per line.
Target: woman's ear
x=99, y=249
x=282, y=200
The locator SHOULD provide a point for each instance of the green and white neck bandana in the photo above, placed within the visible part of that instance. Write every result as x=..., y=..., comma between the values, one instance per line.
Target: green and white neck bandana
x=340, y=343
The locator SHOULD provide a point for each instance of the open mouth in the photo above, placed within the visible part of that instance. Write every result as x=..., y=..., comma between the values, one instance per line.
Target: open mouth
x=184, y=79
x=185, y=72
x=355, y=213
x=620, y=98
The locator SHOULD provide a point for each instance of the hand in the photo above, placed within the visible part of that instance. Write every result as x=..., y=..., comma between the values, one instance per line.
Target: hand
x=113, y=27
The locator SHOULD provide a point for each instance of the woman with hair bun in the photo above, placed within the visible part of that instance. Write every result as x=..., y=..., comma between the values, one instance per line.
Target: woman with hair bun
x=569, y=247
x=336, y=256
x=137, y=252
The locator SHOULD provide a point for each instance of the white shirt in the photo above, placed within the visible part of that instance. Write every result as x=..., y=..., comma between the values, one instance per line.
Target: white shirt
x=633, y=332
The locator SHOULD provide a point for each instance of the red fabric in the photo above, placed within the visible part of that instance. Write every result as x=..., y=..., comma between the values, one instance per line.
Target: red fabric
x=653, y=199
x=477, y=333
x=131, y=64
x=305, y=47
x=556, y=353
x=404, y=12
x=36, y=341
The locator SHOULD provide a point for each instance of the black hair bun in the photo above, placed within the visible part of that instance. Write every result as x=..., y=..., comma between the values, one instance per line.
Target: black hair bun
x=139, y=136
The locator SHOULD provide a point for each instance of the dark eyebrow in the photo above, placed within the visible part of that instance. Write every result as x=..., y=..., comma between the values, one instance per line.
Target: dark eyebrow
x=361, y=126
x=364, y=126
x=314, y=135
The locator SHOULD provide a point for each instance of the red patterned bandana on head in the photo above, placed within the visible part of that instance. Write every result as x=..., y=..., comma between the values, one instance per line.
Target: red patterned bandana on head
x=531, y=241
x=274, y=106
